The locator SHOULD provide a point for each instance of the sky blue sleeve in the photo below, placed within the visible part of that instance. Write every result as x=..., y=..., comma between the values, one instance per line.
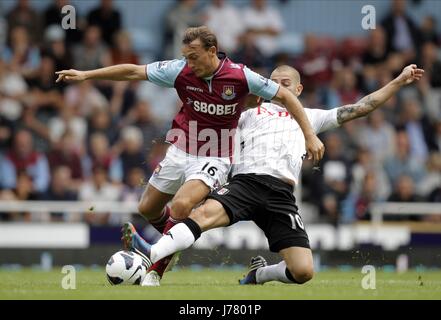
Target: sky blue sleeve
x=164, y=73
x=260, y=86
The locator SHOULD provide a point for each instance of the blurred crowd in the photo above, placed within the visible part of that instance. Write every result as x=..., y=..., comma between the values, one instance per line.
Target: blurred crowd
x=101, y=140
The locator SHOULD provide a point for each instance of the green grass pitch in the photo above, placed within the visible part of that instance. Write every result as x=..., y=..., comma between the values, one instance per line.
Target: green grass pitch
x=206, y=284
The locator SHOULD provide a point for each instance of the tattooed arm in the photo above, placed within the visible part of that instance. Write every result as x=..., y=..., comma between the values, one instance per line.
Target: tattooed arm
x=364, y=106
x=372, y=101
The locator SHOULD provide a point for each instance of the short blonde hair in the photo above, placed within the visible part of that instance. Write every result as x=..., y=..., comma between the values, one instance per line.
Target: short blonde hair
x=294, y=73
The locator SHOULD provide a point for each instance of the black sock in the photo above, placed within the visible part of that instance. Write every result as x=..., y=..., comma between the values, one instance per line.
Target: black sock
x=290, y=277
x=194, y=228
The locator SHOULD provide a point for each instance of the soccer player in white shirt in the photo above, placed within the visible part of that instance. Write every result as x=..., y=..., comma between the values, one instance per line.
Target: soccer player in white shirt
x=261, y=189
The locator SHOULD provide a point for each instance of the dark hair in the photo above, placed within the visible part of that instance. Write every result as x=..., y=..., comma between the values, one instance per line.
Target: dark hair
x=203, y=33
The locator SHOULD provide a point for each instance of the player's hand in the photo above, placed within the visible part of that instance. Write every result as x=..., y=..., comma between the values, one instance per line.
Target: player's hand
x=70, y=75
x=314, y=148
x=410, y=74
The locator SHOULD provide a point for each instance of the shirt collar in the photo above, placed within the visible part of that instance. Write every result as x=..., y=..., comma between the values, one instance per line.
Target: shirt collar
x=222, y=57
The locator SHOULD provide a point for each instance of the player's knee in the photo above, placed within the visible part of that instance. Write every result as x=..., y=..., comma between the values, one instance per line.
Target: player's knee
x=202, y=217
x=198, y=216
x=181, y=208
x=302, y=274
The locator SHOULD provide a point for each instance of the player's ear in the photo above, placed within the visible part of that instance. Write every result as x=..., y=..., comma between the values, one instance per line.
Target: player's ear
x=212, y=50
x=299, y=89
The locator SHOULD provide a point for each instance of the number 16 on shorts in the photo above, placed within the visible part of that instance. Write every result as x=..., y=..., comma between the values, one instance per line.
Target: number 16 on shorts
x=211, y=170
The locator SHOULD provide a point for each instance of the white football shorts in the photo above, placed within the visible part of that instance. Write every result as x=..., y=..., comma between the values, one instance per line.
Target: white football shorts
x=179, y=167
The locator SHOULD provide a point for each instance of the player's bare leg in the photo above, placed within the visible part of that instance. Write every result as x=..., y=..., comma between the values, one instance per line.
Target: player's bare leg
x=188, y=196
x=208, y=216
x=296, y=267
x=299, y=263
x=153, y=207
x=181, y=236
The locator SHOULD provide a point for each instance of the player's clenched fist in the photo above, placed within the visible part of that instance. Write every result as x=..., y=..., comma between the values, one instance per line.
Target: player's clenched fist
x=410, y=74
x=70, y=75
x=314, y=148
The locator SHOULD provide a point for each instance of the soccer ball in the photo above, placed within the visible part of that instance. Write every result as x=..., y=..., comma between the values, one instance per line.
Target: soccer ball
x=125, y=267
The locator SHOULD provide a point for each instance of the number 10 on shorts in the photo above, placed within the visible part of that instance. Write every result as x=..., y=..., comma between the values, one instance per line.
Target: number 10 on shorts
x=296, y=221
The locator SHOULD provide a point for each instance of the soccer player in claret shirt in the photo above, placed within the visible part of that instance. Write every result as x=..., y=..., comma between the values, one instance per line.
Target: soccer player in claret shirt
x=213, y=90
x=263, y=181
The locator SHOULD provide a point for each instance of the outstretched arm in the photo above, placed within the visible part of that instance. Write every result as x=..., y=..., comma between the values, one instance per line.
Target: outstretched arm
x=119, y=72
x=372, y=101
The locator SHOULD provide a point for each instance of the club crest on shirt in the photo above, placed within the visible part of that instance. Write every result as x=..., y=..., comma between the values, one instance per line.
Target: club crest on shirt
x=222, y=191
x=157, y=169
x=228, y=93
x=216, y=185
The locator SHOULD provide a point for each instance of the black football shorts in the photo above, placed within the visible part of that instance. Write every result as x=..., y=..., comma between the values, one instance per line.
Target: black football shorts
x=267, y=201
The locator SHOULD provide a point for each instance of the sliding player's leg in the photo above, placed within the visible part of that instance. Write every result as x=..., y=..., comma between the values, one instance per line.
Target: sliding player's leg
x=181, y=236
x=296, y=267
x=299, y=264
x=286, y=235
x=234, y=201
x=189, y=195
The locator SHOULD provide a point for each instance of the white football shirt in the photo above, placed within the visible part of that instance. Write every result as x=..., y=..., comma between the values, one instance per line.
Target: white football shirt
x=272, y=143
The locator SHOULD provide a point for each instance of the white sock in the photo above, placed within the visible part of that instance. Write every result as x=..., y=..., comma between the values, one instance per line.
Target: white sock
x=177, y=238
x=275, y=272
